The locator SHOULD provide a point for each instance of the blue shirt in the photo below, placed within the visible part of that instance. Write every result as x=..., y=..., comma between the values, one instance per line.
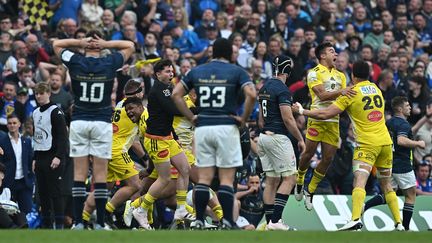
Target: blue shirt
x=92, y=84
x=67, y=9
x=427, y=187
x=217, y=85
x=402, y=156
x=188, y=42
x=272, y=95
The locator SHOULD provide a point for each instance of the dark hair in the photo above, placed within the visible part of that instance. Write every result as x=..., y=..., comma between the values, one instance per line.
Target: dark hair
x=398, y=102
x=361, y=70
x=92, y=33
x=2, y=167
x=321, y=48
x=132, y=100
x=131, y=87
x=368, y=46
x=222, y=48
x=80, y=30
x=159, y=66
x=13, y=115
x=152, y=33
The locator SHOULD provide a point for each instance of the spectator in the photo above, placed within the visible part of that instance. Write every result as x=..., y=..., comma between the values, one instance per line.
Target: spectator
x=187, y=41
x=26, y=97
x=399, y=81
x=109, y=26
x=207, y=18
x=261, y=53
x=424, y=183
x=18, y=159
x=36, y=53
x=385, y=84
x=222, y=24
x=376, y=37
x=340, y=36
x=418, y=96
x=148, y=10
x=59, y=96
x=354, y=47
x=9, y=105
x=400, y=28
x=422, y=130
x=91, y=14
x=5, y=47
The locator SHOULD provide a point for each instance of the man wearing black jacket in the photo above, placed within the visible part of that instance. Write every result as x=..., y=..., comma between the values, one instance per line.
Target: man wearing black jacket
x=50, y=147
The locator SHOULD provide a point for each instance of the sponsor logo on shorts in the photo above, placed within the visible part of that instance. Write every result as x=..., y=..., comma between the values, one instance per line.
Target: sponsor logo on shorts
x=313, y=132
x=115, y=128
x=375, y=116
x=163, y=153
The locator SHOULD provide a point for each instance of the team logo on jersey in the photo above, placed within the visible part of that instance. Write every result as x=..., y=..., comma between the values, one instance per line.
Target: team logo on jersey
x=167, y=92
x=368, y=90
x=375, y=116
x=115, y=128
x=163, y=153
x=313, y=132
x=173, y=171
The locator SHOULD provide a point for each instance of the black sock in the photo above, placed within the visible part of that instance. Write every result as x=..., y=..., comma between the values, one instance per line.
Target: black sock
x=279, y=205
x=407, y=213
x=375, y=201
x=202, y=196
x=79, y=197
x=101, y=195
x=268, y=211
x=226, y=198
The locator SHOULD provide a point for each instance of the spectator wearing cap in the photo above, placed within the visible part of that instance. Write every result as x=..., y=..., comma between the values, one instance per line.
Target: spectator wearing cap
x=340, y=36
x=422, y=130
x=212, y=33
x=376, y=37
x=424, y=183
x=187, y=41
x=26, y=97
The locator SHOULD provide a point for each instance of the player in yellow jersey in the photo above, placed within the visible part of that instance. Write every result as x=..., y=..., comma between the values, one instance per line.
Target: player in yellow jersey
x=121, y=167
x=374, y=145
x=325, y=85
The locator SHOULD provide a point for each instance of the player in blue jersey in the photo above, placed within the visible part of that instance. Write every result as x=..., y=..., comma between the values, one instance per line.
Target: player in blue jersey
x=90, y=130
x=402, y=173
x=217, y=138
x=274, y=147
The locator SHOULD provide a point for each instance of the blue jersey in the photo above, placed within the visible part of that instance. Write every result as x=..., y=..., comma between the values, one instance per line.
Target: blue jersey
x=217, y=85
x=402, y=156
x=92, y=84
x=271, y=96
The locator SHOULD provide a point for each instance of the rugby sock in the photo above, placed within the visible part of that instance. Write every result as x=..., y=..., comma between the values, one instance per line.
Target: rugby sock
x=393, y=205
x=375, y=201
x=202, y=197
x=137, y=202
x=358, y=197
x=316, y=179
x=268, y=212
x=407, y=213
x=181, y=198
x=301, y=175
x=86, y=216
x=217, y=210
x=109, y=207
x=279, y=205
x=101, y=196
x=147, y=201
x=78, y=197
x=226, y=198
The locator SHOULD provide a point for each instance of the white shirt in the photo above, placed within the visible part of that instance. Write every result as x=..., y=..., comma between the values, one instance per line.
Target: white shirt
x=17, y=148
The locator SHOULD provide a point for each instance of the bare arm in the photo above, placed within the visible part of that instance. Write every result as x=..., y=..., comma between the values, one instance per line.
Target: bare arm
x=406, y=142
x=55, y=6
x=59, y=45
x=177, y=96
x=290, y=122
x=324, y=95
x=420, y=192
x=250, y=95
x=260, y=117
x=45, y=69
x=152, y=12
x=323, y=114
x=423, y=120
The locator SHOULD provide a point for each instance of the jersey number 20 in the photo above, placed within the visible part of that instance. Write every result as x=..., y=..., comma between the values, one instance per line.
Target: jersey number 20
x=90, y=95
x=206, y=94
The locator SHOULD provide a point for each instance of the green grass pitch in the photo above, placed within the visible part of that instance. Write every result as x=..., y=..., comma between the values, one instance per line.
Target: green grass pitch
x=120, y=236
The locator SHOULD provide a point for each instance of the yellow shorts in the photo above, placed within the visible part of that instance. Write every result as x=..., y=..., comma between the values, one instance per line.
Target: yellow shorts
x=121, y=167
x=161, y=149
x=378, y=156
x=326, y=132
x=174, y=173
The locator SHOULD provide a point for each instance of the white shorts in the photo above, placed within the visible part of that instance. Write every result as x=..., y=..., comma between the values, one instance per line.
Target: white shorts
x=277, y=155
x=218, y=146
x=404, y=180
x=90, y=138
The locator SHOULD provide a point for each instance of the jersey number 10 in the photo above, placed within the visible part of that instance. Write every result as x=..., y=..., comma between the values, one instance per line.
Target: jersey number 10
x=206, y=99
x=92, y=97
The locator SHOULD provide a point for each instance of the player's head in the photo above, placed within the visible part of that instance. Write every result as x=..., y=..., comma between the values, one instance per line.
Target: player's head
x=400, y=105
x=360, y=71
x=164, y=70
x=134, y=87
x=42, y=92
x=326, y=54
x=282, y=65
x=222, y=48
x=134, y=108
